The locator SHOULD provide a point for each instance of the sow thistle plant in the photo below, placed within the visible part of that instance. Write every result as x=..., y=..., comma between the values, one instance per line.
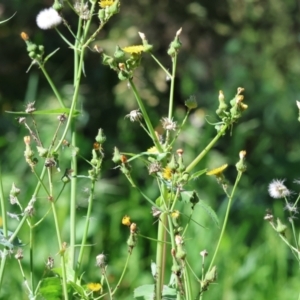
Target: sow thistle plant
x=278, y=190
x=166, y=164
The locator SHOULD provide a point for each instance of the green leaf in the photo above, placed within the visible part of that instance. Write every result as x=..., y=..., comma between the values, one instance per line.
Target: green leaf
x=5, y=241
x=79, y=289
x=51, y=288
x=46, y=112
x=198, y=174
x=190, y=197
x=210, y=212
x=146, y=292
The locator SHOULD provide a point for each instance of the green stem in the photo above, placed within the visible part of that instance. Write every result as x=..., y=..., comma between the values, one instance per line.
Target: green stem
x=160, y=255
x=206, y=149
x=73, y=201
x=145, y=116
x=122, y=275
x=225, y=220
x=31, y=257
x=5, y=231
x=187, y=283
x=171, y=99
x=86, y=229
x=158, y=62
x=54, y=89
x=61, y=250
x=62, y=253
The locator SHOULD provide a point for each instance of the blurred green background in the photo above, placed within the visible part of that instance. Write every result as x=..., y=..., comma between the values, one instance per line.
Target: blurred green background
x=226, y=44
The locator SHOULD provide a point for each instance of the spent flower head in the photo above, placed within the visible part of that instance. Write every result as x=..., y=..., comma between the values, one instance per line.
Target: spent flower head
x=168, y=124
x=278, y=190
x=134, y=115
x=100, y=260
x=48, y=18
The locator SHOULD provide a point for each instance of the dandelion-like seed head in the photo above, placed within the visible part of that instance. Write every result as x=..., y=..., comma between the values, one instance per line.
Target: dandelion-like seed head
x=135, y=115
x=82, y=10
x=168, y=124
x=291, y=208
x=100, y=260
x=278, y=190
x=48, y=18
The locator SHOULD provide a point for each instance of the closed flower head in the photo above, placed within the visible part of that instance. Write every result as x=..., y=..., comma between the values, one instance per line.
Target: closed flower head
x=48, y=18
x=278, y=190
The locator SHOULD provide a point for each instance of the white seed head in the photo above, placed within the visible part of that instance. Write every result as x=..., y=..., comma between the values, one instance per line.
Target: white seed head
x=278, y=190
x=48, y=18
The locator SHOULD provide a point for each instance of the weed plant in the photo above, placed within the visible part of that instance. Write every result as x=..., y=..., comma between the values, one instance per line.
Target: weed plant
x=174, y=275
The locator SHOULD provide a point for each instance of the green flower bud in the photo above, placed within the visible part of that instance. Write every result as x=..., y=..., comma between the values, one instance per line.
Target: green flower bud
x=191, y=103
x=32, y=54
x=107, y=60
x=241, y=166
x=41, y=49
x=180, y=253
x=113, y=9
x=211, y=275
x=58, y=5
x=101, y=15
x=31, y=47
x=119, y=53
x=117, y=156
x=173, y=165
x=280, y=228
x=171, y=51
x=123, y=75
x=176, y=44
x=100, y=138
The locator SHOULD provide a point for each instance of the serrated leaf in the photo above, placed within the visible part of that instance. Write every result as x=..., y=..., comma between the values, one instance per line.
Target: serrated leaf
x=46, y=112
x=198, y=174
x=79, y=289
x=209, y=211
x=147, y=292
x=5, y=241
x=189, y=197
x=51, y=288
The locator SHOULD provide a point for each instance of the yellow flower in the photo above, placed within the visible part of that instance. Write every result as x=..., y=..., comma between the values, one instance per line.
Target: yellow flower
x=217, y=171
x=153, y=150
x=134, y=49
x=126, y=221
x=175, y=214
x=94, y=287
x=106, y=3
x=167, y=173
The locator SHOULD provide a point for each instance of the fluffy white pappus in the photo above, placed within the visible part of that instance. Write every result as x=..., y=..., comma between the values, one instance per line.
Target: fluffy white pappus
x=278, y=190
x=48, y=18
